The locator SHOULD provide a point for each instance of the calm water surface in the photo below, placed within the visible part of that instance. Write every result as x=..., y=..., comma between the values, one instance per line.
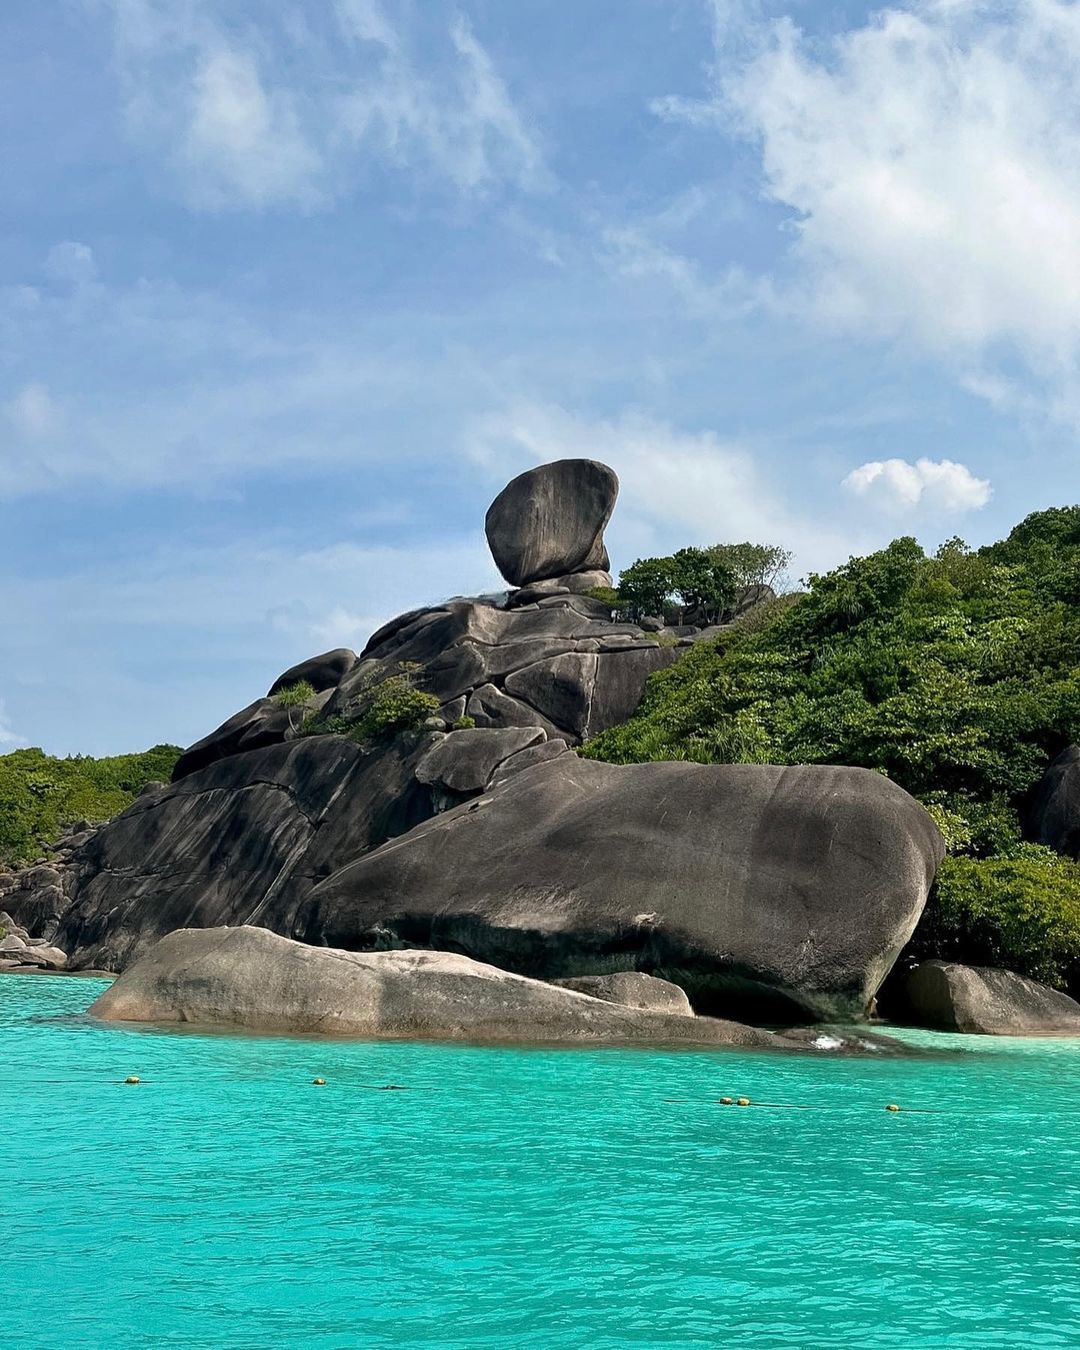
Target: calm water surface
x=526, y=1198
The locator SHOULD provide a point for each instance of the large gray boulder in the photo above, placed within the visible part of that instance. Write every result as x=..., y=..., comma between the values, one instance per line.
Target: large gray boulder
x=242, y=840
x=951, y=997
x=776, y=891
x=250, y=978
x=550, y=521
x=1054, y=814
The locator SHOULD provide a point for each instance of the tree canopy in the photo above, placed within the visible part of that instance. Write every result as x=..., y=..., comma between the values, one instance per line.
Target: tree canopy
x=705, y=581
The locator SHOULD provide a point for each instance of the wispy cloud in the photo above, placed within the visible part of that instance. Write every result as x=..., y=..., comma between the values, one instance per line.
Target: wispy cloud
x=289, y=113
x=928, y=156
x=899, y=486
x=33, y=413
x=8, y=738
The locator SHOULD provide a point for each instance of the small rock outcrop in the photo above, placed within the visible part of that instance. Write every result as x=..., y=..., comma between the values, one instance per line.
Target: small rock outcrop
x=20, y=951
x=947, y=996
x=251, y=978
x=550, y=521
x=788, y=891
x=633, y=989
x=1053, y=817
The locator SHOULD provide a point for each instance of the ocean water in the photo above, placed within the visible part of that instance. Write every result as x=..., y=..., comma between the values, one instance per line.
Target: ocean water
x=592, y=1198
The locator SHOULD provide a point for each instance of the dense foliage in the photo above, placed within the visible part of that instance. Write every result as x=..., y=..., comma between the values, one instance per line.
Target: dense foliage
x=40, y=795
x=1022, y=913
x=956, y=674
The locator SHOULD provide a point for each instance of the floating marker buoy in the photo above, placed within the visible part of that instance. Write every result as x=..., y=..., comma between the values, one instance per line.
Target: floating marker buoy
x=726, y=1101
x=132, y=1079
x=743, y=1101
x=892, y=1106
x=318, y=1082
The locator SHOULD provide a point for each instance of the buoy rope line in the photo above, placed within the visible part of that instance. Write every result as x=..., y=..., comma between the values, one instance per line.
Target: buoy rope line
x=670, y=1101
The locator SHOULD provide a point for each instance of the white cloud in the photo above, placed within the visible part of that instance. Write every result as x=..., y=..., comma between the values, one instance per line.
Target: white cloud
x=899, y=486
x=930, y=158
x=285, y=113
x=32, y=412
x=242, y=143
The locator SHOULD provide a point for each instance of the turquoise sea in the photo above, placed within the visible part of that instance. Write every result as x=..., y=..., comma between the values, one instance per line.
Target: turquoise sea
x=510, y=1198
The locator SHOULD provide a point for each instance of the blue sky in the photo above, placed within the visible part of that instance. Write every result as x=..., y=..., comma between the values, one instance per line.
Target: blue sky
x=289, y=291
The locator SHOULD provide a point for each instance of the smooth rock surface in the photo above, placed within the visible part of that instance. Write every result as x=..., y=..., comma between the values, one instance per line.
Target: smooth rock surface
x=550, y=521
x=976, y=999
x=322, y=672
x=632, y=989
x=774, y=890
x=250, y=978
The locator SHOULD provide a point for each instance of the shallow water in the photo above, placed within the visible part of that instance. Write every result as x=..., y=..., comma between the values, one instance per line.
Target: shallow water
x=595, y=1198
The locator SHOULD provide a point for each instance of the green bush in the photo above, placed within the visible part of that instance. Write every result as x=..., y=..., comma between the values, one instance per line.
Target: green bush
x=386, y=707
x=293, y=695
x=464, y=723
x=1020, y=913
x=40, y=795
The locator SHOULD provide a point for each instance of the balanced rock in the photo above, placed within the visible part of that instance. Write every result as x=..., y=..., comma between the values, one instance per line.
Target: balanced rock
x=771, y=890
x=550, y=521
x=1054, y=814
x=251, y=978
x=951, y=997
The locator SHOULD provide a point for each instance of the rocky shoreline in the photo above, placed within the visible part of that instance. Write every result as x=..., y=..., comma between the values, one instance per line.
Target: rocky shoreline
x=395, y=813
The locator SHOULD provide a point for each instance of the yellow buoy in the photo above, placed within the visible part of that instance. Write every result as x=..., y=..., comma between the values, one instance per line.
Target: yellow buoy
x=132, y=1079
x=318, y=1082
x=743, y=1101
x=725, y=1101
x=892, y=1106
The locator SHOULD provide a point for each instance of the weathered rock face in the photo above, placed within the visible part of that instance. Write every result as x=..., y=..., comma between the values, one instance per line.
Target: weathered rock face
x=781, y=890
x=251, y=978
x=1054, y=814
x=240, y=841
x=550, y=521
x=978, y=1000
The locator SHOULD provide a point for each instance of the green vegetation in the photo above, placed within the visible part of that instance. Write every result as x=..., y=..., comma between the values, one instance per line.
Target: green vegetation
x=387, y=707
x=705, y=582
x=464, y=723
x=295, y=695
x=956, y=674
x=41, y=795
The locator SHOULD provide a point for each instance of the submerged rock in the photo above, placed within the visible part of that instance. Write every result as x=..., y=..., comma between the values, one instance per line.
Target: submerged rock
x=771, y=890
x=951, y=997
x=550, y=521
x=250, y=978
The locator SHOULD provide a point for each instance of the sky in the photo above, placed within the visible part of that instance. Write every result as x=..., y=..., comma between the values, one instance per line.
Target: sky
x=288, y=292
